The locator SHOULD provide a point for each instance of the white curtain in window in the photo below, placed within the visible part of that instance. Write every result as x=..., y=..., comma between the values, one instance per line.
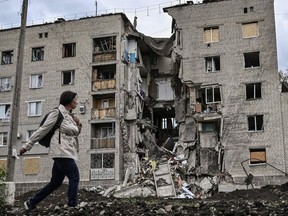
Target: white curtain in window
x=2, y=111
x=32, y=108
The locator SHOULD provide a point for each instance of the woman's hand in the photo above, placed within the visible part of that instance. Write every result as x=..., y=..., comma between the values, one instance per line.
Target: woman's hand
x=22, y=151
x=77, y=121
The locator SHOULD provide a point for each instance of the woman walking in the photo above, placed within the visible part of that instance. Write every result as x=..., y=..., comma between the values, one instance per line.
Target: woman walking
x=63, y=150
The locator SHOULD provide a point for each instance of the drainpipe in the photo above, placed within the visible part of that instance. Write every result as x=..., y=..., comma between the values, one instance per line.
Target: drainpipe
x=283, y=134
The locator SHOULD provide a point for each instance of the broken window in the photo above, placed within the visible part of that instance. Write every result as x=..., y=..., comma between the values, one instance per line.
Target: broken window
x=102, y=166
x=5, y=84
x=36, y=81
x=107, y=132
x=212, y=63
x=38, y=54
x=34, y=108
x=3, y=138
x=253, y=91
x=209, y=126
x=105, y=44
x=257, y=156
x=106, y=74
x=212, y=94
x=68, y=77
x=211, y=34
x=169, y=123
x=179, y=38
x=255, y=123
x=5, y=112
x=69, y=50
x=252, y=59
x=250, y=30
x=7, y=57
x=284, y=87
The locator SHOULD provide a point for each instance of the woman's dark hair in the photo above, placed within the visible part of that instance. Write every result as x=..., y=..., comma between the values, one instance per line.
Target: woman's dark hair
x=67, y=97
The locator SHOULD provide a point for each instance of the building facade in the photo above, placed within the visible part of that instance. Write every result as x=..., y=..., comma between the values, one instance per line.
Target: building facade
x=209, y=96
x=226, y=51
x=108, y=63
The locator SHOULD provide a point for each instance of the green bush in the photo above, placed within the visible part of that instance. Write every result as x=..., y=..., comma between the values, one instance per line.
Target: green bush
x=2, y=186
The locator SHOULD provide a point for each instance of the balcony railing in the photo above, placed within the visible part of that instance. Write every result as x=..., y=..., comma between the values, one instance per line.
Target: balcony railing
x=98, y=143
x=104, y=56
x=103, y=113
x=104, y=84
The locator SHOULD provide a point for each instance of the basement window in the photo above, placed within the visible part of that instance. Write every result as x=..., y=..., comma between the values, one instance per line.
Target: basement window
x=250, y=30
x=252, y=59
x=7, y=57
x=212, y=64
x=102, y=166
x=69, y=50
x=68, y=77
x=255, y=123
x=258, y=156
x=211, y=34
x=253, y=91
x=38, y=54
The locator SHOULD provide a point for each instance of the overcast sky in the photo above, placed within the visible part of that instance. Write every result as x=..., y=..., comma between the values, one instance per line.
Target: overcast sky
x=151, y=19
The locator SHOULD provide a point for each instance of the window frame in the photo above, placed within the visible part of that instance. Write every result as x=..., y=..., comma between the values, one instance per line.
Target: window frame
x=10, y=54
x=6, y=116
x=72, y=77
x=211, y=35
x=3, y=136
x=215, y=64
x=3, y=80
x=251, y=65
x=37, y=54
x=253, y=160
x=245, y=25
x=37, y=81
x=256, y=88
x=255, y=123
x=213, y=94
x=69, y=50
x=38, y=110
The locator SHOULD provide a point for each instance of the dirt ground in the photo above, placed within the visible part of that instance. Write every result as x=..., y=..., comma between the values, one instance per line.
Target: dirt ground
x=268, y=200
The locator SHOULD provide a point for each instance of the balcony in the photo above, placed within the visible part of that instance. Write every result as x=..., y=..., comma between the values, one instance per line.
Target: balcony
x=104, y=49
x=99, y=143
x=104, y=84
x=103, y=113
x=104, y=56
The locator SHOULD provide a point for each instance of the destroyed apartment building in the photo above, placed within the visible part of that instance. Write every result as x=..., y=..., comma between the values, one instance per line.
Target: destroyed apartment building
x=180, y=116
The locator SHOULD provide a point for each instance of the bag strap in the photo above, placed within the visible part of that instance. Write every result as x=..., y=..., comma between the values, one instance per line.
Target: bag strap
x=58, y=123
